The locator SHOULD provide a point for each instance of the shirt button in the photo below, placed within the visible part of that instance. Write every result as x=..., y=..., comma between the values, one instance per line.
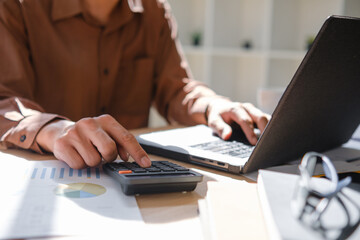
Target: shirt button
x=106, y=71
x=22, y=138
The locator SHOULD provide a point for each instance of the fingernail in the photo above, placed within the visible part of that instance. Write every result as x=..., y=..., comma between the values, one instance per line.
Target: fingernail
x=226, y=133
x=226, y=136
x=145, y=161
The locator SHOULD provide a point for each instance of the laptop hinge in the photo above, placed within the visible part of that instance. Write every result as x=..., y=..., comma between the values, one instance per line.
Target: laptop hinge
x=235, y=169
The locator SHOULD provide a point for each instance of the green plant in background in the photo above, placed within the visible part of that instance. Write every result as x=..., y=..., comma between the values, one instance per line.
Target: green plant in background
x=247, y=44
x=196, y=38
x=309, y=42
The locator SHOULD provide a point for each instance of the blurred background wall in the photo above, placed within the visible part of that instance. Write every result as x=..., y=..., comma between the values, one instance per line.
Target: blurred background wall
x=249, y=50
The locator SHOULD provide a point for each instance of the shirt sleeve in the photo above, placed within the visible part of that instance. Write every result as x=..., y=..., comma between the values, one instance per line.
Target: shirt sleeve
x=20, y=117
x=178, y=97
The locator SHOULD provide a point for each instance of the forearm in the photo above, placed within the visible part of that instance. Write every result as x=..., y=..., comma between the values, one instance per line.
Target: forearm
x=190, y=105
x=178, y=97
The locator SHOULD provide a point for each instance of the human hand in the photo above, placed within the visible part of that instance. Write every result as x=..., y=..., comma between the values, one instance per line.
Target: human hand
x=89, y=140
x=221, y=113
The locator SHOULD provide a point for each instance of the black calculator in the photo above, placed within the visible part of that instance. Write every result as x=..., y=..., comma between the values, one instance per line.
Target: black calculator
x=160, y=177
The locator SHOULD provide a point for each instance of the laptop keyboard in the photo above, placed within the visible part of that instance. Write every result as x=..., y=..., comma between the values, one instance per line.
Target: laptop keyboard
x=235, y=149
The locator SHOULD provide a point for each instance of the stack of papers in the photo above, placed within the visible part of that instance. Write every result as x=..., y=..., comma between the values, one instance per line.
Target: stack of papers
x=231, y=210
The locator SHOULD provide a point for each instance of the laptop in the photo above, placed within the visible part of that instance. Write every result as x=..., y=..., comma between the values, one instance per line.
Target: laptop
x=319, y=110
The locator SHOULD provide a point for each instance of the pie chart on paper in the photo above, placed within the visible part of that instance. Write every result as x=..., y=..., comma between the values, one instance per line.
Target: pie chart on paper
x=79, y=190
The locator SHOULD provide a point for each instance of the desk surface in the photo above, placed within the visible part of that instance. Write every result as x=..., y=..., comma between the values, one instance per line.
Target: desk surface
x=181, y=210
x=178, y=213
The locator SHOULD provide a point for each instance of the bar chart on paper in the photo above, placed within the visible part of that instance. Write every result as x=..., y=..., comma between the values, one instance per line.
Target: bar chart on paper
x=46, y=173
x=78, y=188
x=48, y=198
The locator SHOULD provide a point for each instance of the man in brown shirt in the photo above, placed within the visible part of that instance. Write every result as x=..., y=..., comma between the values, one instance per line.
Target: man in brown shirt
x=65, y=62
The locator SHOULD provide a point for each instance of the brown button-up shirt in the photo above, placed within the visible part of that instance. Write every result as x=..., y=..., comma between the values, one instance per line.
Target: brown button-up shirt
x=56, y=61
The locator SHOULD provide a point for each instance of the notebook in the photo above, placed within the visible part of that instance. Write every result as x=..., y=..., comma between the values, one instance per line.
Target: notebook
x=319, y=110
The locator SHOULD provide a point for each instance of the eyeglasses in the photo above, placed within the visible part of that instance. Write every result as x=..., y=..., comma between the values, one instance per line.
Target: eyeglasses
x=310, y=199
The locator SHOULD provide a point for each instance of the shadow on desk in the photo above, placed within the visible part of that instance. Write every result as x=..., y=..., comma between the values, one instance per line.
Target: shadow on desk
x=172, y=207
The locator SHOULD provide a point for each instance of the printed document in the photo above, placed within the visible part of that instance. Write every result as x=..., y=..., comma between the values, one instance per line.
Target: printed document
x=48, y=198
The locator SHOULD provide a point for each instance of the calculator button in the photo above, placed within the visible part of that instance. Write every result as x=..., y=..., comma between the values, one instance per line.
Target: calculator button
x=112, y=167
x=121, y=169
x=157, y=164
x=124, y=171
x=138, y=170
x=181, y=169
x=171, y=164
x=165, y=169
x=115, y=164
x=128, y=164
x=153, y=169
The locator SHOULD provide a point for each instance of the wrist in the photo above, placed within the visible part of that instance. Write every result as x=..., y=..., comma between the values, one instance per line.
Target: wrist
x=50, y=132
x=208, y=102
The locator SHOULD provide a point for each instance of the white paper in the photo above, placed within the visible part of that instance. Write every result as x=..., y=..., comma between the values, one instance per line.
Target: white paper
x=47, y=198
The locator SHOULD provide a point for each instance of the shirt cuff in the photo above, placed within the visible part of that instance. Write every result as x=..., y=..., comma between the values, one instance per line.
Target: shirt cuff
x=23, y=135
